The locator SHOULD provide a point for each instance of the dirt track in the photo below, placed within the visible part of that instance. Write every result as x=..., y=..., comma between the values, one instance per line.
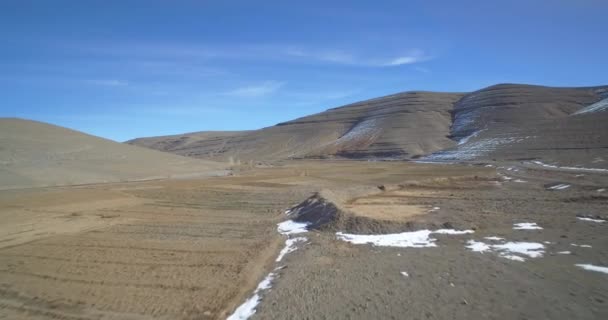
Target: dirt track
x=192, y=249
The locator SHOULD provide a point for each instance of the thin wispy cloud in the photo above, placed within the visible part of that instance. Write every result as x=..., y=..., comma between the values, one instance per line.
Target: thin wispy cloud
x=353, y=59
x=107, y=82
x=263, y=89
x=262, y=52
x=403, y=60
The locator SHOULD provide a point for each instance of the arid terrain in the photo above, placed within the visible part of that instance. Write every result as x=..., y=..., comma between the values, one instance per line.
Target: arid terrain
x=197, y=248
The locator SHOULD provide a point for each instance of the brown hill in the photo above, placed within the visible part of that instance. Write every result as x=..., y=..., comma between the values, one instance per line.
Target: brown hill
x=506, y=122
x=516, y=122
x=370, y=129
x=35, y=154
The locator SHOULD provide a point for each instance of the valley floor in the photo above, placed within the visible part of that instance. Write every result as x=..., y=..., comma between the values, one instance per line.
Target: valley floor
x=197, y=248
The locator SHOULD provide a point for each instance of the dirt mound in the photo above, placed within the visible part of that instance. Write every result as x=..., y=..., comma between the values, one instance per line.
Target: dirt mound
x=324, y=215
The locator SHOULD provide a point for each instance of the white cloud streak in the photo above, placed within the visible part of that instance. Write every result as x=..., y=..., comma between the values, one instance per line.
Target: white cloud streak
x=265, y=52
x=348, y=58
x=263, y=89
x=108, y=82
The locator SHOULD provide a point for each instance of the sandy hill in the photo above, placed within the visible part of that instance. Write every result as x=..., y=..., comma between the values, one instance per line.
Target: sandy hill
x=503, y=122
x=38, y=154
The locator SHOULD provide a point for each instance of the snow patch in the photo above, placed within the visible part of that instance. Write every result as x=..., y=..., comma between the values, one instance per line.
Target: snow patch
x=591, y=267
x=365, y=129
x=405, y=274
x=472, y=150
x=247, y=309
x=290, y=246
x=601, y=105
x=494, y=238
x=590, y=219
x=467, y=138
x=509, y=250
x=289, y=227
x=580, y=245
x=564, y=252
x=561, y=186
x=542, y=164
x=526, y=226
x=478, y=246
x=513, y=257
x=530, y=249
x=413, y=239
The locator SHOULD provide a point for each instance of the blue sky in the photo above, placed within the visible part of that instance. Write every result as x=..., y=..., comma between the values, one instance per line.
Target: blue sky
x=125, y=69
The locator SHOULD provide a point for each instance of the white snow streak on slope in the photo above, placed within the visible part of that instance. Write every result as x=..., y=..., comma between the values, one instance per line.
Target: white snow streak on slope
x=580, y=245
x=290, y=246
x=590, y=219
x=494, y=238
x=467, y=138
x=364, y=129
x=472, y=150
x=591, y=267
x=561, y=186
x=247, y=309
x=568, y=168
x=598, y=106
x=414, y=239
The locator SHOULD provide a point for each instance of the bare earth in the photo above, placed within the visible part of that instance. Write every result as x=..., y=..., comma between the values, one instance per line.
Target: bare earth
x=197, y=248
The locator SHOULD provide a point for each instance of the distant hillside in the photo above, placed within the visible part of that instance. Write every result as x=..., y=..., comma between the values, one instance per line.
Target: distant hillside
x=398, y=126
x=516, y=122
x=503, y=122
x=34, y=154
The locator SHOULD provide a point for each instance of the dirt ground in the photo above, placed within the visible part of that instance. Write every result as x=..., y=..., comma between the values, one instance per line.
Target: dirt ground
x=331, y=279
x=197, y=248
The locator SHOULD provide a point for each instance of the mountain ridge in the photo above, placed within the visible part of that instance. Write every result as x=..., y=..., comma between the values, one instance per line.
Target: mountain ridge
x=407, y=125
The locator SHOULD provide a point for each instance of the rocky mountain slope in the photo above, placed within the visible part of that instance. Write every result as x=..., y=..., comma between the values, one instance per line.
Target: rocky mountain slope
x=503, y=122
x=516, y=122
x=35, y=154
